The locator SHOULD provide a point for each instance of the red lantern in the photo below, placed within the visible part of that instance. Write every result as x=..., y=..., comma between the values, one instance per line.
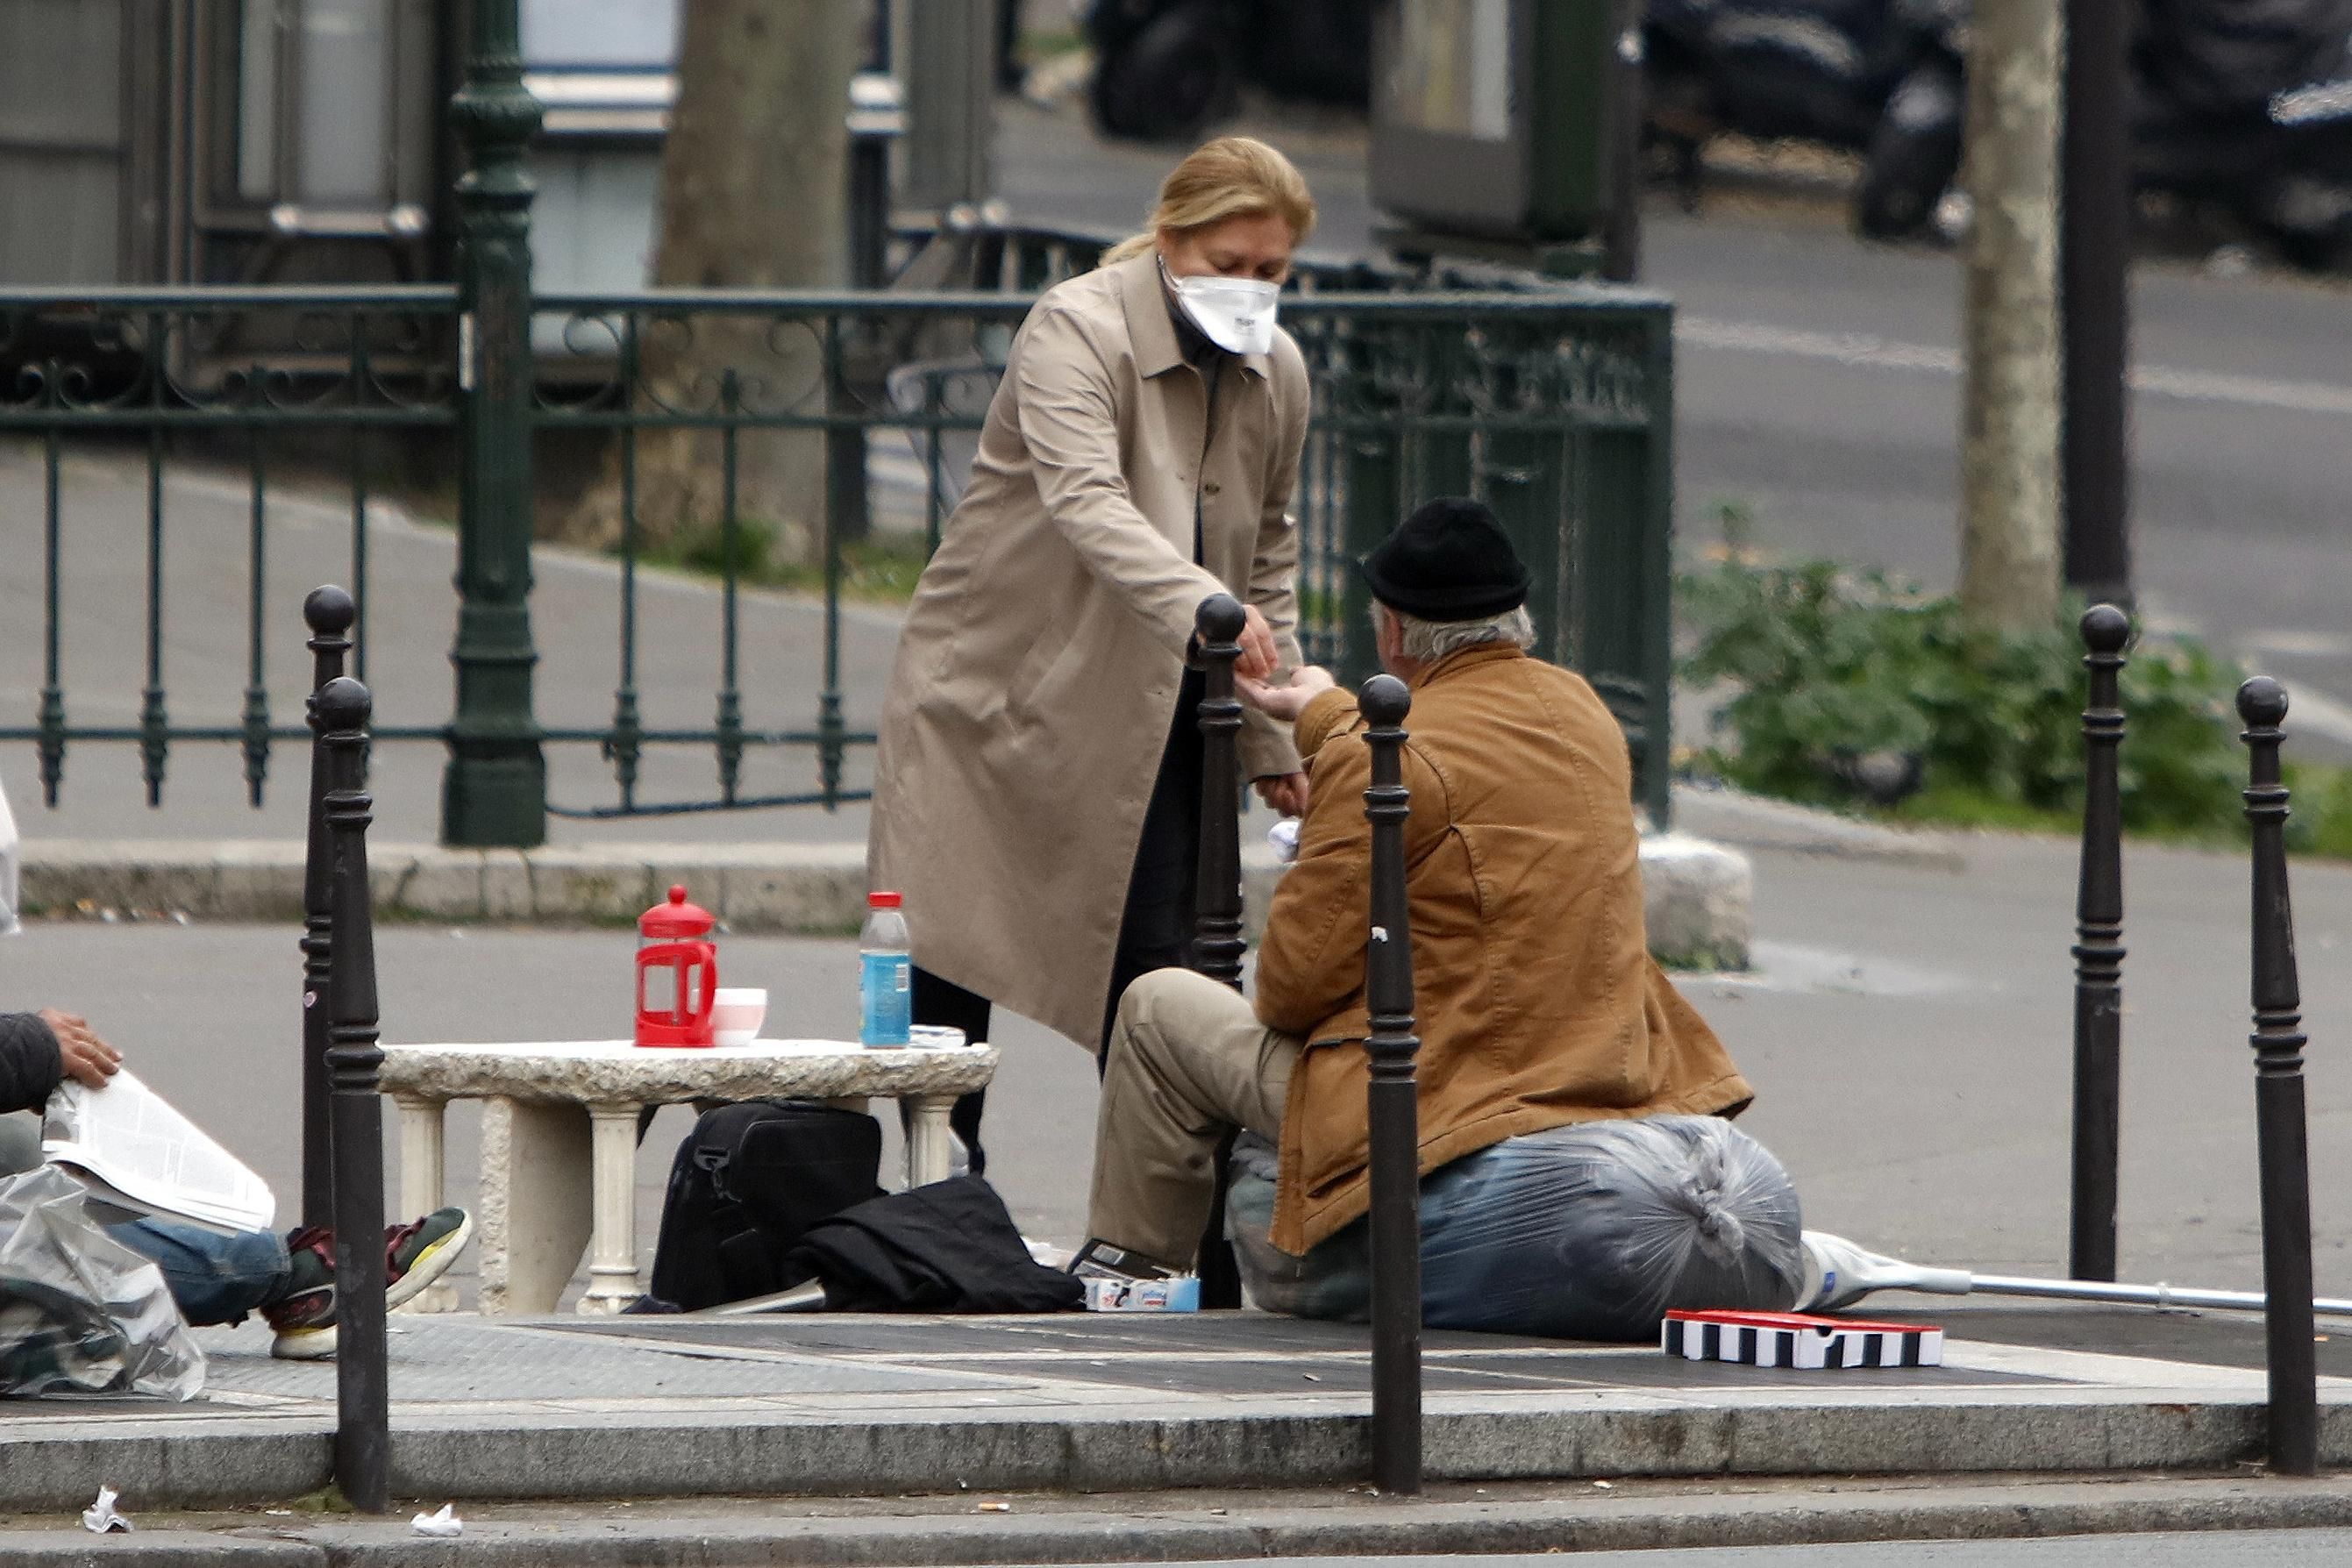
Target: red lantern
x=678, y=974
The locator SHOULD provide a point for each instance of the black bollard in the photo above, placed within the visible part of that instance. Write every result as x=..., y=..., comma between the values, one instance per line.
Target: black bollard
x=1392, y=1112
x=2099, y=955
x=330, y=612
x=1217, y=945
x=362, y=1431
x=2282, y=1133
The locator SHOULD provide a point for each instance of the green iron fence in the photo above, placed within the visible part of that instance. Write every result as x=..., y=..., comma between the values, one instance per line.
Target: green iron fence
x=140, y=372
x=1553, y=404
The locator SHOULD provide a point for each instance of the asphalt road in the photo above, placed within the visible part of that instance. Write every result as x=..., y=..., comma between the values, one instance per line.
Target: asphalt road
x=1907, y=1039
x=2247, y=1549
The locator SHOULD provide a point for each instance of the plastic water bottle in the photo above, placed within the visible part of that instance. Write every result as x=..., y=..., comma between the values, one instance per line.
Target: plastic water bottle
x=886, y=979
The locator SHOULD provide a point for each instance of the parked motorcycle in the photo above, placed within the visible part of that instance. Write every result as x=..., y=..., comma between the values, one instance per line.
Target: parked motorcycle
x=1166, y=70
x=1914, y=149
x=2246, y=107
x=1829, y=71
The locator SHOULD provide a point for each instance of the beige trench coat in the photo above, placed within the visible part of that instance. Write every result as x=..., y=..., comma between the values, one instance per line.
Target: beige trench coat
x=1037, y=673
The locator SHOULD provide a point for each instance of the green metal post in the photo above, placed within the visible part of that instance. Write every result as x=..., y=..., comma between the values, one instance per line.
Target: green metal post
x=1656, y=781
x=495, y=792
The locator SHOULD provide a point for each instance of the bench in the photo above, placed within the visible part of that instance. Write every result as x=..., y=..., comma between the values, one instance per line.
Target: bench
x=560, y=1128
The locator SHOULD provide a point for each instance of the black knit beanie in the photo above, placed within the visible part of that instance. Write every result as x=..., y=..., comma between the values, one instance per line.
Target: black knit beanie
x=1451, y=561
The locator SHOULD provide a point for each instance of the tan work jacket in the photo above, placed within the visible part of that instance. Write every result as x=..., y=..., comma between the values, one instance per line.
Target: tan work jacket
x=1536, y=998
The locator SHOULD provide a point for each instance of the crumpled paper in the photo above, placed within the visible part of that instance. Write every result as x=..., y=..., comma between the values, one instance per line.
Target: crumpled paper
x=99, y=1518
x=445, y=1523
x=1284, y=836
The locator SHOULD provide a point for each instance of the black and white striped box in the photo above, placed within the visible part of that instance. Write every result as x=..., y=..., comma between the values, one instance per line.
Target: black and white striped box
x=1799, y=1340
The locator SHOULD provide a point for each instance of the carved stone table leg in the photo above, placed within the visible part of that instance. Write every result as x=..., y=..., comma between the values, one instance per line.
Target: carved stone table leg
x=421, y=1186
x=612, y=1261
x=927, y=1140
x=535, y=1216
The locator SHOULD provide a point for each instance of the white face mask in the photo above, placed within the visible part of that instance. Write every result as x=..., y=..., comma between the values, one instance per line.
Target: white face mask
x=1234, y=313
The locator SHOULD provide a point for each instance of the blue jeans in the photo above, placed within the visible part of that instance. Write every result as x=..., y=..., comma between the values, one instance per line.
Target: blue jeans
x=213, y=1278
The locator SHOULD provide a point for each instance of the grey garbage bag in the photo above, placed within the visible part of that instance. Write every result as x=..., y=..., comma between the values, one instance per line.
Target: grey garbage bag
x=80, y=1312
x=1588, y=1232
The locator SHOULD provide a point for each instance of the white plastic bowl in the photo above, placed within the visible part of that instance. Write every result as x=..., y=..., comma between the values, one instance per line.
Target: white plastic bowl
x=736, y=1013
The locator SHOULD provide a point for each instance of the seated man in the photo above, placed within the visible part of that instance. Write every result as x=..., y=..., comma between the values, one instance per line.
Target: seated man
x=1536, y=1001
x=214, y=1277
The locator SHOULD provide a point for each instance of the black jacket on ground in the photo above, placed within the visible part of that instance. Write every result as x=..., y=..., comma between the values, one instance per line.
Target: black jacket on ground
x=30, y=1063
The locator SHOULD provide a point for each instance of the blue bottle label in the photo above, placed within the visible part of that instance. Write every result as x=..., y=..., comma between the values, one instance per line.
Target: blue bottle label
x=885, y=989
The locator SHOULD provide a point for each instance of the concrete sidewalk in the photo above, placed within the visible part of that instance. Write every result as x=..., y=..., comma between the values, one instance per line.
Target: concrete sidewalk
x=578, y=1408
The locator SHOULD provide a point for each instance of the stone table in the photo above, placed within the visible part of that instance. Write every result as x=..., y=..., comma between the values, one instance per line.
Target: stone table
x=559, y=1137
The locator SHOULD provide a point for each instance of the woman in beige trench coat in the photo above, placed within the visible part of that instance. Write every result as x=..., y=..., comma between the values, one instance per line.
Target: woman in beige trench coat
x=1037, y=788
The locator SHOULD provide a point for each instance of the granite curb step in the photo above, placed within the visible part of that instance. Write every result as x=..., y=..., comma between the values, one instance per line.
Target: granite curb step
x=1697, y=894
x=1244, y=1530
x=234, y=1461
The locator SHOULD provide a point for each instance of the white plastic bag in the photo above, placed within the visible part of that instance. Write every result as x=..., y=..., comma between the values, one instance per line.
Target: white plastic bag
x=80, y=1312
x=1592, y=1232
x=7, y=867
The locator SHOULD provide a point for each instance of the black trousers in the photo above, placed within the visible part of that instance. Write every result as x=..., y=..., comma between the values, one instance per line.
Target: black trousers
x=1155, y=928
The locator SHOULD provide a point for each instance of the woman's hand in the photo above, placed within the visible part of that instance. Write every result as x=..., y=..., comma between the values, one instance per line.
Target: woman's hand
x=1285, y=792
x=83, y=1055
x=1287, y=702
x=1259, y=657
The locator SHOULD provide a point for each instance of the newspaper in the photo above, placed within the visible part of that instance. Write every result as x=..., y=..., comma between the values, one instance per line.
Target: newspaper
x=135, y=1152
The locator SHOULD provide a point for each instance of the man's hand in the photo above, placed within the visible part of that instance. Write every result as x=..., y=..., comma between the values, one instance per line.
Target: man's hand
x=1287, y=702
x=1286, y=792
x=1259, y=657
x=86, y=1056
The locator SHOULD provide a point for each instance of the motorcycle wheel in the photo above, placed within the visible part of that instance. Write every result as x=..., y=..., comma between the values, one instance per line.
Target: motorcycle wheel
x=1171, y=79
x=1914, y=154
x=2309, y=217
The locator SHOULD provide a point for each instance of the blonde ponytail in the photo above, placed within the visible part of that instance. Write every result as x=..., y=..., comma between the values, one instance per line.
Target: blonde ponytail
x=1233, y=177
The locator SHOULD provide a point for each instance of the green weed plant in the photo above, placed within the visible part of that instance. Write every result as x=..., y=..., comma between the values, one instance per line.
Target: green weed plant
x=1829, y=663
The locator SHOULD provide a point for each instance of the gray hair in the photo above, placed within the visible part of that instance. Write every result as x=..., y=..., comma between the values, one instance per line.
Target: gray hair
x=1426, y=642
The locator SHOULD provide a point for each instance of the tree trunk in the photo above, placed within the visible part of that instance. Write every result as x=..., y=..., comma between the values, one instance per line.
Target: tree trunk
x=752, y=197
x=2009, y=458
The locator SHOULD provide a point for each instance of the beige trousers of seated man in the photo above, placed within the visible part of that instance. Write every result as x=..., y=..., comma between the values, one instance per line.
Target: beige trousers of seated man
x=1187, y=1062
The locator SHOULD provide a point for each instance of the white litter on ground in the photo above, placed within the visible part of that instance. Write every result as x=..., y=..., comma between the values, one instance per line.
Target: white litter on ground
x=445, y=1523
x=100, y=1518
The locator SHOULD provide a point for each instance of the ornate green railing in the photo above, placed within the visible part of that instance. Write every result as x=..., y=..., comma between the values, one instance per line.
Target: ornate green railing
x=1553, y=404
x=250, y=372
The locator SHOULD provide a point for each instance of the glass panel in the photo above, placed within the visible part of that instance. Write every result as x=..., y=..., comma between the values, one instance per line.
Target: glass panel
x=346, y=62
x=1452, y=73
x=642, y=34
x=660, y=981
x=257, y=102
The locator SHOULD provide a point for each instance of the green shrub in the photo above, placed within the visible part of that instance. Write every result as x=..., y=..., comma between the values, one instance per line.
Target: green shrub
x=1830, y=665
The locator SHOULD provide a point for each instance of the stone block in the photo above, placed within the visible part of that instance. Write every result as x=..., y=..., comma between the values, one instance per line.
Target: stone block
x=590, y=884
x=257, y=881
x=60, y=874
x=810, y=888
x=505, y=885
x=1696, y=900
x=442, y=884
